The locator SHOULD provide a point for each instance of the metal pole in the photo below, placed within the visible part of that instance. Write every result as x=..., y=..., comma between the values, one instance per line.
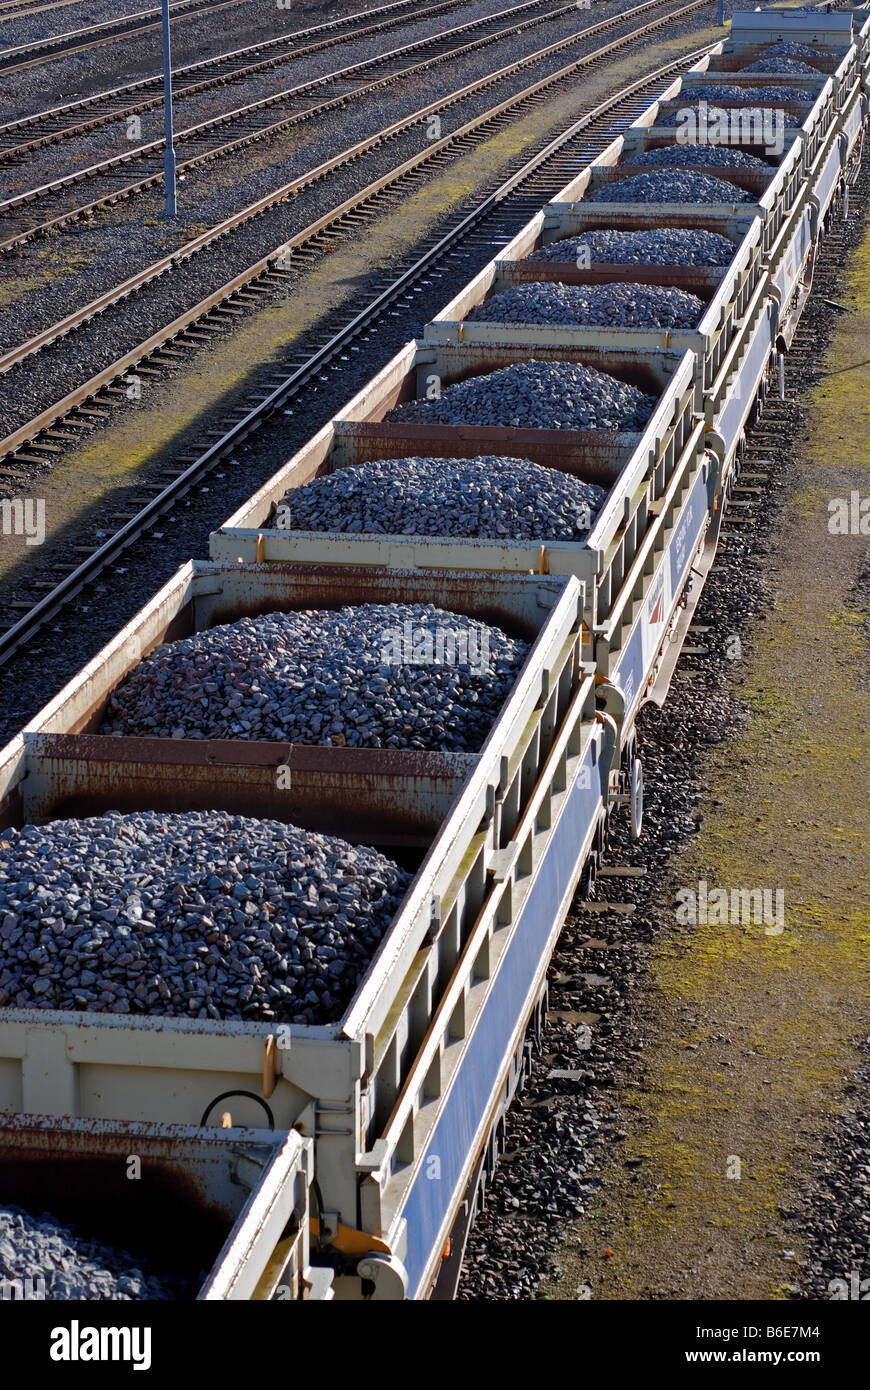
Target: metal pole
x=720, y=13
x=169, y=156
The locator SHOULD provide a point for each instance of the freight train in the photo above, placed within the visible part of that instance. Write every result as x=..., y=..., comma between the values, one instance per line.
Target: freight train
x=345, y=1159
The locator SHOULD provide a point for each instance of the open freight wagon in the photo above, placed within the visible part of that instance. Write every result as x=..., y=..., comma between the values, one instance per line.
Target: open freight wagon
x=646, y=556
x=636, y=559
x=223, y=1212
x=402, y=1097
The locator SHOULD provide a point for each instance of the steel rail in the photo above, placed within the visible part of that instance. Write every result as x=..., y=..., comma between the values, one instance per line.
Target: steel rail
x=28, y=55
x=332, y=27
x=281, y=41
x=291, y=189
x=23, y=631
x=14, y=9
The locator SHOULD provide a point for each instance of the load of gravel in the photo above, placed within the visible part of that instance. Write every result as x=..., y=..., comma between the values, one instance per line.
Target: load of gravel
x=57, y=1262
x=712, y=91
x=330, y=676
x=790, y=48
x=538, y=396
x=731, y=92
x=684, y=155
x=624, y=305
x=489, y=498
x=767, y=115
x=782, y=65
x=658, y=246
x=670, y=186
x=198, y=914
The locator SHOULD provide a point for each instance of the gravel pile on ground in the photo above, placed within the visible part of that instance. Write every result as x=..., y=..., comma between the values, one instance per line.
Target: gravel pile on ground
x=330, y=676
x=768, y=115
x=537, y=395
x=659, y=246
x=782, y=65
x=790, y=48
x=670, y=186
x=624, y=305
x=684, y=155
x=57, y=1262
x=488, y=498
x=201, y=914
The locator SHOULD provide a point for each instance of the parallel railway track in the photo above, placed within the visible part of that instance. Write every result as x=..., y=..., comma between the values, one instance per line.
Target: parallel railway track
x=42, y=51
x=399, y=180
x=494, y=220
x=15, y=9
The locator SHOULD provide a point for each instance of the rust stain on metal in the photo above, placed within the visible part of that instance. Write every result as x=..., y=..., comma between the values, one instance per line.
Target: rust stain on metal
x=79, y=1172
x=594, y=455
x=701, y=280
x=377, y=795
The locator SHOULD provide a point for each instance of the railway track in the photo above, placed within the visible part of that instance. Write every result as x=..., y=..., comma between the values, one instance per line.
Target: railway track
x=425, y=1025
x=495, y=219
x=62, y=122
x=28, y=55
x=298, y=104
x=399, y=179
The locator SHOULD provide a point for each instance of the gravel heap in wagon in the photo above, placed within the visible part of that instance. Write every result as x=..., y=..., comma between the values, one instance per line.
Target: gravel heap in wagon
x=486, y=498
x=670, y=186
x=728, y=91
x=66, y=1264
x=768, y=115
x=790, y=48
x=536, y=395
x=685, y=154
x=197, y=914
x=782, y=65
x=623, y=304
x=658, y=246
x=329, y=676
